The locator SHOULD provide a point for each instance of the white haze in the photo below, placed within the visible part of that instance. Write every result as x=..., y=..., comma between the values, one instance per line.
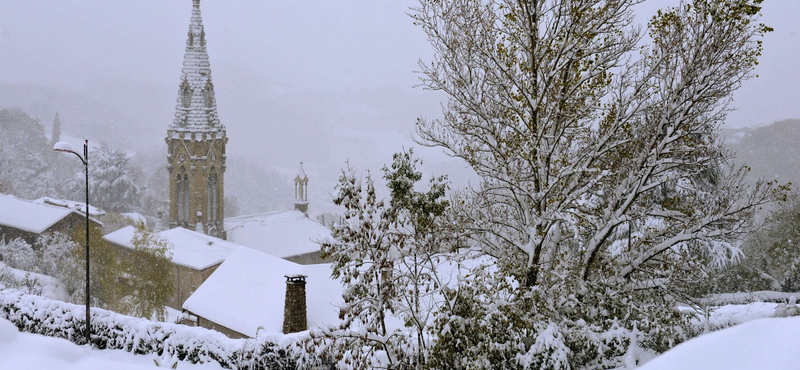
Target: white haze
x=319, y=81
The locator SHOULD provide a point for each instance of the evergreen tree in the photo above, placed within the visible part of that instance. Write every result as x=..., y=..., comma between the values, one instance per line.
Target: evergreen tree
x=55, y=136
x=771, y=259
x=25, y=170
x=112, y=185
x=388, y=258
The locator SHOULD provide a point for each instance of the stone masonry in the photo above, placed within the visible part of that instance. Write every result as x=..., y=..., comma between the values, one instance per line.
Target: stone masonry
x=294, y=309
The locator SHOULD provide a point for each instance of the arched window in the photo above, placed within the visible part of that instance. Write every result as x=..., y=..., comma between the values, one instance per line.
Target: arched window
x=186, y=191
x=212, y=197
x=179, y=197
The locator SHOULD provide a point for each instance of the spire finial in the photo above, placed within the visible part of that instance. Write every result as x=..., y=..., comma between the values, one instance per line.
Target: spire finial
x=196, y=3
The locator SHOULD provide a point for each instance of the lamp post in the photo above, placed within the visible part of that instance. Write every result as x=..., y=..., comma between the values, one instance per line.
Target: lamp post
x=67, y=148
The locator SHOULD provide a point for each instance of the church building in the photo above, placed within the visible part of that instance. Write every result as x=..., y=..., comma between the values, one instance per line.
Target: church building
x=196, y=143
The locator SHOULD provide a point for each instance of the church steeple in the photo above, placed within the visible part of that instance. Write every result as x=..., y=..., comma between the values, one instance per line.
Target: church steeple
x=197, y=105
x=196, y=141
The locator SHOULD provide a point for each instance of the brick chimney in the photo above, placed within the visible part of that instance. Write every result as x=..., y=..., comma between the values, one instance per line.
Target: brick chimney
x=294, y=307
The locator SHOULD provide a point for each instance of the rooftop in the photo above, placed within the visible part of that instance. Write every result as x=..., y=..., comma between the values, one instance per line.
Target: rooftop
x=247, y=292
x=29, y=215
x=189, y=248
x=281, y=234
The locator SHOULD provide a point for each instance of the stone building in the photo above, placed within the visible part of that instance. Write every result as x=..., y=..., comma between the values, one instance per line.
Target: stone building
x=196, y=142
x=29, y=220
x=195, y=256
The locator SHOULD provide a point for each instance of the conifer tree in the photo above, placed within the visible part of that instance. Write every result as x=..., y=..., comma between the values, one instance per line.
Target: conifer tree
x=387, y=258
x=55, y=135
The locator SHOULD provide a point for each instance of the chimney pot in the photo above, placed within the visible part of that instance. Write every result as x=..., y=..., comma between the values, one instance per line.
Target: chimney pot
x=294, y=307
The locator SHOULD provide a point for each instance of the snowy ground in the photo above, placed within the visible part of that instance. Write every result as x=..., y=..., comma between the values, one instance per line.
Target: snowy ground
x=761, y=344
x=24, y=351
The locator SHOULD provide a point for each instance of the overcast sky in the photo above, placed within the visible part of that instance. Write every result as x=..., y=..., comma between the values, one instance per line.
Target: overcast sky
x=322, y=44
x=351, y=48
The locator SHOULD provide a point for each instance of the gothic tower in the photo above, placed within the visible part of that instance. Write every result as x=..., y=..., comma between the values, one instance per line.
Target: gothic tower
x=196, y=142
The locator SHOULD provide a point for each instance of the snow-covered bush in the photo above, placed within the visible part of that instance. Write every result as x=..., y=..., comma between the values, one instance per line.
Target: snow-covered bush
x=57, y=259
x=110, y=330
x=17, y=253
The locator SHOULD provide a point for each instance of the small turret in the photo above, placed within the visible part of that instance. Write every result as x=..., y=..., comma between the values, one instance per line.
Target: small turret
x=301, y=190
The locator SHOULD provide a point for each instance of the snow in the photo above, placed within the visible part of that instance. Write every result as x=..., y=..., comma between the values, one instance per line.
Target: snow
x=747, y=297
x=50, y=286
x=136, y=217
x=189, y=248
x=761, y=344
x=247, y=292
x=22, y=351
x=737, y=314
x=281, y=234
x=78, y=206
x=28, y=215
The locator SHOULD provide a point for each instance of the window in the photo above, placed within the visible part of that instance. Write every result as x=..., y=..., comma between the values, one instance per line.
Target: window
x=212, y=197
x=186, y=198
x=182, y=197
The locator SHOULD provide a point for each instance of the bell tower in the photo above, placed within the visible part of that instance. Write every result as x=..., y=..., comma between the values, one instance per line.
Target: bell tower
x=196, y=142
x=301, y=190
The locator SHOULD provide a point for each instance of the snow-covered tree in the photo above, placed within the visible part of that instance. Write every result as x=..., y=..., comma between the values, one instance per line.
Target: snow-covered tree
x=771, y=259
x=605, y=189
x=112, y=185
x=24, y=156
x=387, y=257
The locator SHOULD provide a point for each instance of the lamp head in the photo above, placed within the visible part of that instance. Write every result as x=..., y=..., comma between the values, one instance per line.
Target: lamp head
x=63, y=146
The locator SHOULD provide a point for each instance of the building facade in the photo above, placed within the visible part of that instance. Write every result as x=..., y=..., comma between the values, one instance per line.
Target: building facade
x=196, y=142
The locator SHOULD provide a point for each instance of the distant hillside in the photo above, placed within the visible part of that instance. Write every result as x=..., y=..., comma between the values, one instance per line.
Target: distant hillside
x=98, y=116
x=772, y=152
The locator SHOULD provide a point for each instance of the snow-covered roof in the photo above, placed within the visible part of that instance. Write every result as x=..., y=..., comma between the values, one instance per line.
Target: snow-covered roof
x=248, y=290
x=282, y=234
x=29, y=215
x=78, y=206
x=189, y=248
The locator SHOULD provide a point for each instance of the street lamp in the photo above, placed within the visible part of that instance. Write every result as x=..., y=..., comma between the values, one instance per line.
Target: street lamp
x=65, y=147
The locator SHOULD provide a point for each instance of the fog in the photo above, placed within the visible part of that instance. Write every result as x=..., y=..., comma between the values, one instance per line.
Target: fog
x=315, y=81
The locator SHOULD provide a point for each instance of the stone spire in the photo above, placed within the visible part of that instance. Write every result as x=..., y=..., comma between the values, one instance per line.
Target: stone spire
x=197, y=105
x=196, y=142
